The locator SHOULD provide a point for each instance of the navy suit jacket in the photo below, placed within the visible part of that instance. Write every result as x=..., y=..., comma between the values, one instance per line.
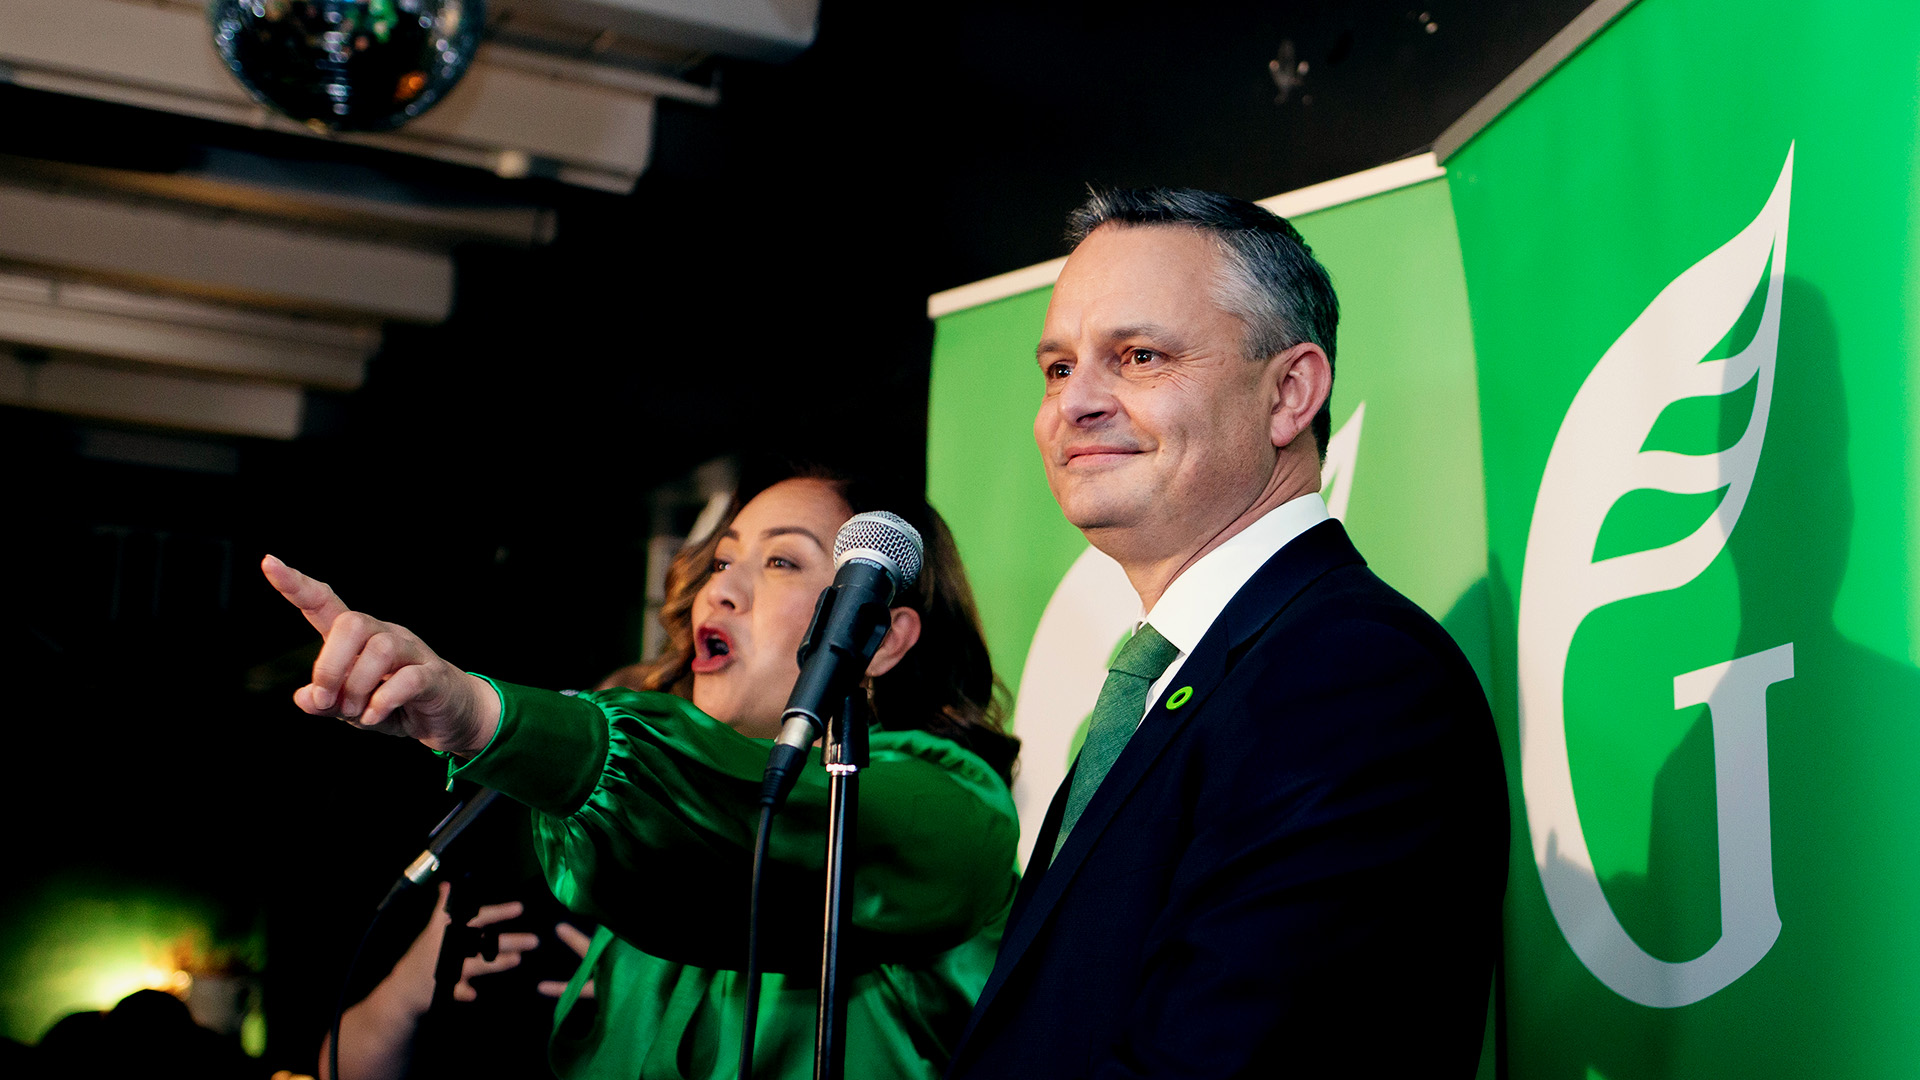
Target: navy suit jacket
x=1298, y=871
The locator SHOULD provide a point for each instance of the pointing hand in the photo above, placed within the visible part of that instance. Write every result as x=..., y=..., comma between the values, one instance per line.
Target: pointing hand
x=380, y=676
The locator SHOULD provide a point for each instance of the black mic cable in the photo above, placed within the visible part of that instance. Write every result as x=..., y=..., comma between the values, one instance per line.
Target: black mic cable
x=750, y=1020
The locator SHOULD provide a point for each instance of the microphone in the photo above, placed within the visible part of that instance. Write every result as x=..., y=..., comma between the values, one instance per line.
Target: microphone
x=427, y=862
x=876, y=557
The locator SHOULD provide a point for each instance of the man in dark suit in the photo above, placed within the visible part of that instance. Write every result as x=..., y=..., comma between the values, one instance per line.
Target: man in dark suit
x=1282, y=849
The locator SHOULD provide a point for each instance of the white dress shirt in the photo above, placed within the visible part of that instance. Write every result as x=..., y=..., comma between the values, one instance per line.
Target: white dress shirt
x=1198, y=596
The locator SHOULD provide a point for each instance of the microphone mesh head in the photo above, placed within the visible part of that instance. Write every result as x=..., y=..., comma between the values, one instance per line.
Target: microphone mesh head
x=883, y=538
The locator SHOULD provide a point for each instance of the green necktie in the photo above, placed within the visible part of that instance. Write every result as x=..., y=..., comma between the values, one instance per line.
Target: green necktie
x=1123, y=700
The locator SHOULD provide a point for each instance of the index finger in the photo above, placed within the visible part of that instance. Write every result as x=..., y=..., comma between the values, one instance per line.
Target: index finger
x=493, y=913
x=573, y=939
x=315, y=599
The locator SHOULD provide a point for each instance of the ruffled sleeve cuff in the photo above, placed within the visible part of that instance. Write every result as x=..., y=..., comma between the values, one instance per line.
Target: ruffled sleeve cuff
x=548, y=752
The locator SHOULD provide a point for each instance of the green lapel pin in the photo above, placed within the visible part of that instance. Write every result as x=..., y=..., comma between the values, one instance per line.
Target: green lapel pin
x=1180, y=697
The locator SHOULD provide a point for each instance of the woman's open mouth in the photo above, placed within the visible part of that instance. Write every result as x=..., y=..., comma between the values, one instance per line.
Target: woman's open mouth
x=712, y=649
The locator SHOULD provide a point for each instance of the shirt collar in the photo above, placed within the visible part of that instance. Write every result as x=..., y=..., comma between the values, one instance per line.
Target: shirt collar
x=1197, y=597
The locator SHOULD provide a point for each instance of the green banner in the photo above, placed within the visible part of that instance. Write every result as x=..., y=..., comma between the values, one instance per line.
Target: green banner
x=1698, y=444
x=1662, y=492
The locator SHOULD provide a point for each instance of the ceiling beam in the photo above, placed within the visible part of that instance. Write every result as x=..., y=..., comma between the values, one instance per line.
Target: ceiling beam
x=197, y=252
x=340, y=196
x=67, y=317
x=516, y=112
x=221, y=406
x=769, y=30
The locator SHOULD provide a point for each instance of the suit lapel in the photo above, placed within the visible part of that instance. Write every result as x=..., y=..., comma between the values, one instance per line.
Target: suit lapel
x=1271, y=589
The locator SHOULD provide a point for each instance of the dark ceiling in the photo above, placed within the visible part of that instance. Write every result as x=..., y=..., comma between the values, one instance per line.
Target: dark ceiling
x=771, y=268
x=762, y=289
x=770, y=271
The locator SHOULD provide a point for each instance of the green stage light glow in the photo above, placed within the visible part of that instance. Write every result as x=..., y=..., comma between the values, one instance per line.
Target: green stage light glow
x=77, y=947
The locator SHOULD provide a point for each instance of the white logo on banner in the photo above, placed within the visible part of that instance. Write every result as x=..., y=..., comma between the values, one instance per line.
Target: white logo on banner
x=1091, y=609
x=1343, y=457
x=1596, y=459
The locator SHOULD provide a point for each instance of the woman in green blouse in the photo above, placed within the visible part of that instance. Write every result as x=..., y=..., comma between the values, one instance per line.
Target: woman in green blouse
x=645, y=801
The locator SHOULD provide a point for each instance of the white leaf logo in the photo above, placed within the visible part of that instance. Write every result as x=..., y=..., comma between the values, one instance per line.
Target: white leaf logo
x=1092, y=608
x=1343, y=460
x=1596, y=459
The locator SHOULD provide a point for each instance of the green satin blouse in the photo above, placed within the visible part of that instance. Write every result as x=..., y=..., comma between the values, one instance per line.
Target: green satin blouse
x=645, y=810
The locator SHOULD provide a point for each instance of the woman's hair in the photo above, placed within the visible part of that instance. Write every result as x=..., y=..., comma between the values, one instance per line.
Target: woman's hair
x=944, y=684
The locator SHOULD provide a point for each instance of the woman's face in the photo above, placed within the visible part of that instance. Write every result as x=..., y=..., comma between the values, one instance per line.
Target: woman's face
x=749, y=618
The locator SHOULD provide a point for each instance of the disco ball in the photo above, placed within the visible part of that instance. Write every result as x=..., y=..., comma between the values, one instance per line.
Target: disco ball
x=348, y=65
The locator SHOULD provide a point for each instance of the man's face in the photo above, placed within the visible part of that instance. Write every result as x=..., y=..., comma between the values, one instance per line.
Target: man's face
x=1155, y=426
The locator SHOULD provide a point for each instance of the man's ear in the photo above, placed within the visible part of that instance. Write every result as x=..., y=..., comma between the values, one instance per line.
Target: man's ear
x=1300, y=379
x=902, y=634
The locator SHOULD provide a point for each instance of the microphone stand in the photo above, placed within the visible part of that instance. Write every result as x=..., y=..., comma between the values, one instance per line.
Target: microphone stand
x=846, y=755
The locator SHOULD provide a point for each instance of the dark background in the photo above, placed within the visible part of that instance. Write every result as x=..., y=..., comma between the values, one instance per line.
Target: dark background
x=763, y=289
